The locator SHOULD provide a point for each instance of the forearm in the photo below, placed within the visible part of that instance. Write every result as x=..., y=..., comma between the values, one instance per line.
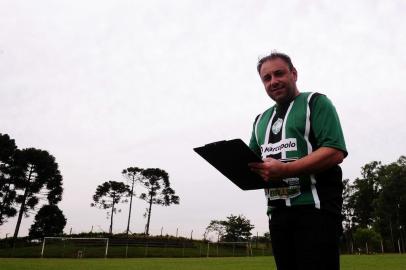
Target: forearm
x=319, y=160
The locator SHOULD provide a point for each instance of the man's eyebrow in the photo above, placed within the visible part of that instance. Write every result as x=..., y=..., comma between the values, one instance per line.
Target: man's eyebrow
x=267, y=76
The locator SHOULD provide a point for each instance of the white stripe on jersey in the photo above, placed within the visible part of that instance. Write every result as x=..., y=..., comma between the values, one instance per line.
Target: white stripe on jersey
x=266, y=141
x=268, y=128
x=310, y=150
x=283, y=156
x=284, y=127
x=256, y=127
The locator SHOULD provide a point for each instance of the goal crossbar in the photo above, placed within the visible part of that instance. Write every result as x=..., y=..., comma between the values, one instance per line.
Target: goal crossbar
x=75, y=238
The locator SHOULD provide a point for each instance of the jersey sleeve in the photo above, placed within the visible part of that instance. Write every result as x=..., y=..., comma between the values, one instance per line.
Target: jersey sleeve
x=253, y=141
x=326, y=124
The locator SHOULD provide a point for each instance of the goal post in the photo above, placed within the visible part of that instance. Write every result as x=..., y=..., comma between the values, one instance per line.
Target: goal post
x=76, y=247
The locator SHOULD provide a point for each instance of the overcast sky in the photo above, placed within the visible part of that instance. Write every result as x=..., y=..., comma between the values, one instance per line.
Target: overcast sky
x=105, y=85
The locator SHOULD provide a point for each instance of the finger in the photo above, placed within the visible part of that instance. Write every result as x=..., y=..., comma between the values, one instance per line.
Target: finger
x=257, y=165
x=254, y=165
x=263, y=174
x=256, y=170
x=265, y=177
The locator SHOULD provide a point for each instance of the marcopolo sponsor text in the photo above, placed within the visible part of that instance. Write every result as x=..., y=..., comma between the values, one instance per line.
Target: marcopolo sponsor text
x=276, y=148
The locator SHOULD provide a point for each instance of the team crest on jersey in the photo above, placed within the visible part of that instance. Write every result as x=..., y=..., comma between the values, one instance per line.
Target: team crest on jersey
x=276, y=127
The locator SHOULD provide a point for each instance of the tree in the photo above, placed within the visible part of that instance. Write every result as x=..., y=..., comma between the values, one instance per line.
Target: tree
x=7, y=191
x=49, y=221
x=378, y=200
x=348, y=214
x=156, y=181
x=390, y=207
x=35, y=173
x=109, y=194
x=365, y=192
x=235, y=228
x=238, y=228
x=347, y=210
x=216, y=226
x=364, y=238
x=132, y=174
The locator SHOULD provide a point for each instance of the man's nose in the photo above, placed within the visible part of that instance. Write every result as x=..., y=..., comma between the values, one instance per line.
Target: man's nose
x=274, y=82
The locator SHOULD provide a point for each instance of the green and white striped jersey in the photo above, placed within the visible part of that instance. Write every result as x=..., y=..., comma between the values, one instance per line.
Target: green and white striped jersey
x=290, y=132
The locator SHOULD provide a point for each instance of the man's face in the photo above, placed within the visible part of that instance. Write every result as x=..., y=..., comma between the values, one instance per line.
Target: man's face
x=279, y=81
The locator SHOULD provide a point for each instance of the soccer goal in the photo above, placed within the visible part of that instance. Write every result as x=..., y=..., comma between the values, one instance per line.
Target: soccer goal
x=229, y=249
x=66, y=247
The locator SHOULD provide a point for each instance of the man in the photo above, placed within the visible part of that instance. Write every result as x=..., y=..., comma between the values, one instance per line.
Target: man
x=301, y=143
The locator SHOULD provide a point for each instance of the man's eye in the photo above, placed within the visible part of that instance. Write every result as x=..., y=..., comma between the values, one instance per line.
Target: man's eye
x=278, y=73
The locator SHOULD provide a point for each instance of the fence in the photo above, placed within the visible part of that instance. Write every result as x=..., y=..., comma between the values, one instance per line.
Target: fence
x=163, y=247
x=64, y=247
x=373, y=247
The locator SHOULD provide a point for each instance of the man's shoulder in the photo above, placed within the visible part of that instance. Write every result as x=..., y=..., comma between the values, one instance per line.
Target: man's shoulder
x=268, y=111
x=314, y=98
x=311, y=95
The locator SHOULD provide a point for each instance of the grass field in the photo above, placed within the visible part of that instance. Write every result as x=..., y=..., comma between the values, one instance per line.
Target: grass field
x=353, y=262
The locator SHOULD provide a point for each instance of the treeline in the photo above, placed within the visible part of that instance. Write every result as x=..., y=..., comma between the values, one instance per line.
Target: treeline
x=155, y=186
x=374, y=208
x=30, y=177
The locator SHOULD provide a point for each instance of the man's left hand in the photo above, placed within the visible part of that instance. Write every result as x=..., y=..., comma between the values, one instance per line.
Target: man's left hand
x=270, y=169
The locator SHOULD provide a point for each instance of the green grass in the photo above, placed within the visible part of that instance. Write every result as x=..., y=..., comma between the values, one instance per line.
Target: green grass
x=356, y=262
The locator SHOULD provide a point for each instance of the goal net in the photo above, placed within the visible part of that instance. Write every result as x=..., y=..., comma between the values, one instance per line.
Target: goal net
x=64, y=247
x=229, y=249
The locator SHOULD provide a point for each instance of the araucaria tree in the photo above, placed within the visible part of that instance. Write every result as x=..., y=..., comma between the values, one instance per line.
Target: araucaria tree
x=7, y=191
x=132, y=174
x=108, y=195
x=35, y=176
x=158, y=191
x=49, y=221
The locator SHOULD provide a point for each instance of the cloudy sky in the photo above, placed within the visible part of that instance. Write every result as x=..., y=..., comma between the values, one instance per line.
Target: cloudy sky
x=105, y=85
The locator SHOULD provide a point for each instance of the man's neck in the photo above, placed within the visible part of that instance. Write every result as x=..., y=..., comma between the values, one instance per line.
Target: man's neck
x=285, y=104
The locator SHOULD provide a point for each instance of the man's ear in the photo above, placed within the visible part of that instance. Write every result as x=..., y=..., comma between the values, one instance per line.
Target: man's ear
x=294, y=72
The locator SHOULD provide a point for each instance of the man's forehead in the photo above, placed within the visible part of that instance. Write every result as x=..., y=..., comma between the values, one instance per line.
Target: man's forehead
x=272, y=65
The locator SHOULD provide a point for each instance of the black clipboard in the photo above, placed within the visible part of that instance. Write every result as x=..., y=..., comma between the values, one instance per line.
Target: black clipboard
x=231, y=158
